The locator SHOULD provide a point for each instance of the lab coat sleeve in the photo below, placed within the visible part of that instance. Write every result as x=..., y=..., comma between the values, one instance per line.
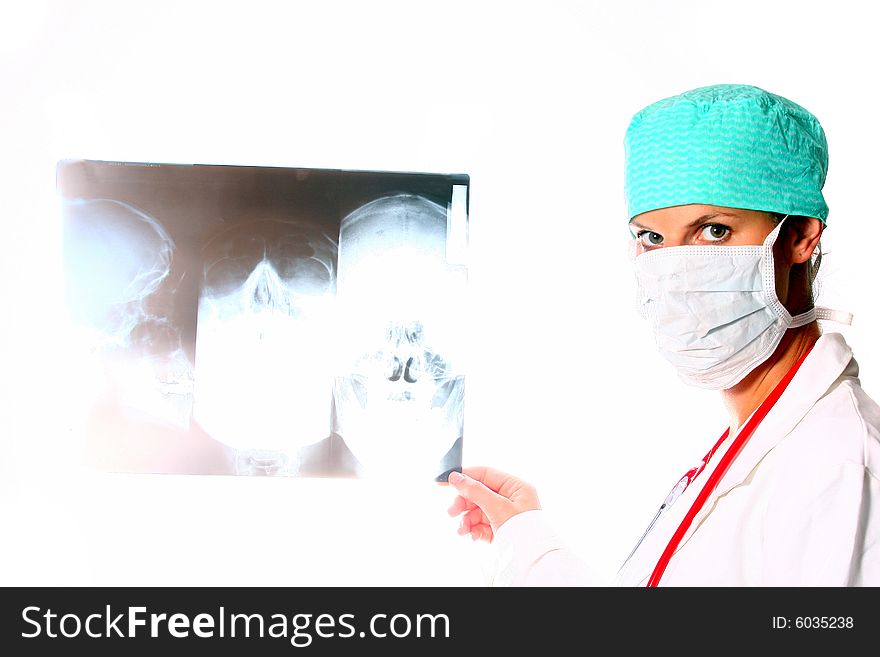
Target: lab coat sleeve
x=823, y=531
x=528, y=552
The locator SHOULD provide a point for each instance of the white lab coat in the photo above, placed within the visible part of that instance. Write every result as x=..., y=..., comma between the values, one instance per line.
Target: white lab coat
x=799, y=506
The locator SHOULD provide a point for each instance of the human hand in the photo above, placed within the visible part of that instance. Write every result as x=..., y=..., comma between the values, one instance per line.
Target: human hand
x=488, y=498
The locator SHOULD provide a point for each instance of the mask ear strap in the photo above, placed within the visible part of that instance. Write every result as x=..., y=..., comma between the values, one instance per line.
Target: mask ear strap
x=768, y=274
x=815, y=261
x=804, y=318
x=839, y=316
x=632, y=249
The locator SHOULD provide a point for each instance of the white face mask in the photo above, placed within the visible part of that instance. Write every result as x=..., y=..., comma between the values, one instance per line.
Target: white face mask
x=714, y=309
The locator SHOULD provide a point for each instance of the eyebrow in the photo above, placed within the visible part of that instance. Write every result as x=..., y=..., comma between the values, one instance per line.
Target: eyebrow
x=696, y=222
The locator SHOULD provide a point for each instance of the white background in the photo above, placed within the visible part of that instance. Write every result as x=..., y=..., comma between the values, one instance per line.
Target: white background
x=530, y=99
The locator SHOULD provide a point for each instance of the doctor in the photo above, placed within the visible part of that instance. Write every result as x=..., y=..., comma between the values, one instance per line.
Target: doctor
x=724, y=191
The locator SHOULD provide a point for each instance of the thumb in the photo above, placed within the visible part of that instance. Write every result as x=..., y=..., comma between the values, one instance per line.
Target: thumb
x=478, y=493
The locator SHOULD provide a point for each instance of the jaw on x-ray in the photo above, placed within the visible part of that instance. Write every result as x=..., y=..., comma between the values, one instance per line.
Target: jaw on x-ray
x=264, y=321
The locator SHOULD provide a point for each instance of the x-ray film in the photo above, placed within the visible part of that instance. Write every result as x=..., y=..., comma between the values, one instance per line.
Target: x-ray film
x=268, y=321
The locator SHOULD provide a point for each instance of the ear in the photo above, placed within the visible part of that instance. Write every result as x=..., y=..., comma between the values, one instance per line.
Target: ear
x=801, y=237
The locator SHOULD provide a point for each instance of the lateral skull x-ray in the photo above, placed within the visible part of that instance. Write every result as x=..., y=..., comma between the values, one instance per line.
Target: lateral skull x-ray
x=123, y=256
x=267, y=321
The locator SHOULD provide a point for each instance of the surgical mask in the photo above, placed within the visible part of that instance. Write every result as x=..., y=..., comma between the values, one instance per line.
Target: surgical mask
x=714, y=309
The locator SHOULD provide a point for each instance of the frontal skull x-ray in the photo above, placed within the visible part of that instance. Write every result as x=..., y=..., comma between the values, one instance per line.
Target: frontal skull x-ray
x=399, y=397
x=263, y=379
x=269, y=321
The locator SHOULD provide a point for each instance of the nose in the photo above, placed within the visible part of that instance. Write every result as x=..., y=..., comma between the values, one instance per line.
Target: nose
x=409, y=372
x=397, y=369
x=264, y=288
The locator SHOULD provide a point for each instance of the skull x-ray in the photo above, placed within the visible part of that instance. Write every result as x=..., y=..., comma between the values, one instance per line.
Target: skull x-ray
x=267, y=288
x=268, y=321
x=399, y=398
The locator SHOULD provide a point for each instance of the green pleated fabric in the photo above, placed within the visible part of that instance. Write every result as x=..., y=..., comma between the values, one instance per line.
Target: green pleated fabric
x=729, y=145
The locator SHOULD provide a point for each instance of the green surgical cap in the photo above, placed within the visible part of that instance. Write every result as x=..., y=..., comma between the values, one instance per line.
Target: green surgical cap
x=729, y=145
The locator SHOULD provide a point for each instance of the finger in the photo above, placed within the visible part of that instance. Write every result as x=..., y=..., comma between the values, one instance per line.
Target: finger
x=493, y=479
x=476, y=492
x=475, y=517
x=470, y=520
x=459, y=505
x=482, y=533
x=473, y=529
x=465, y=527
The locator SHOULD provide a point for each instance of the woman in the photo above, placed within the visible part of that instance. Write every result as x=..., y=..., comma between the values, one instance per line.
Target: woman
x=724, y=192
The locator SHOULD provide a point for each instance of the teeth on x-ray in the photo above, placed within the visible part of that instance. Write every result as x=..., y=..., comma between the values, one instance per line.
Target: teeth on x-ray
x=286, y=321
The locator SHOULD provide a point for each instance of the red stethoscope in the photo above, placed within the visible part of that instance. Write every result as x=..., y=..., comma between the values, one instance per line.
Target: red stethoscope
x=716, y=475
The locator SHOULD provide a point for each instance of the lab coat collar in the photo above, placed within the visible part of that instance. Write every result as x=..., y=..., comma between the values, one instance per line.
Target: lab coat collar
x=830, y=357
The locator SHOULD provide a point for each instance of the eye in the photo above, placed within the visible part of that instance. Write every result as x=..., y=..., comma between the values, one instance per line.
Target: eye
x=714, y=232
x=649, y=238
